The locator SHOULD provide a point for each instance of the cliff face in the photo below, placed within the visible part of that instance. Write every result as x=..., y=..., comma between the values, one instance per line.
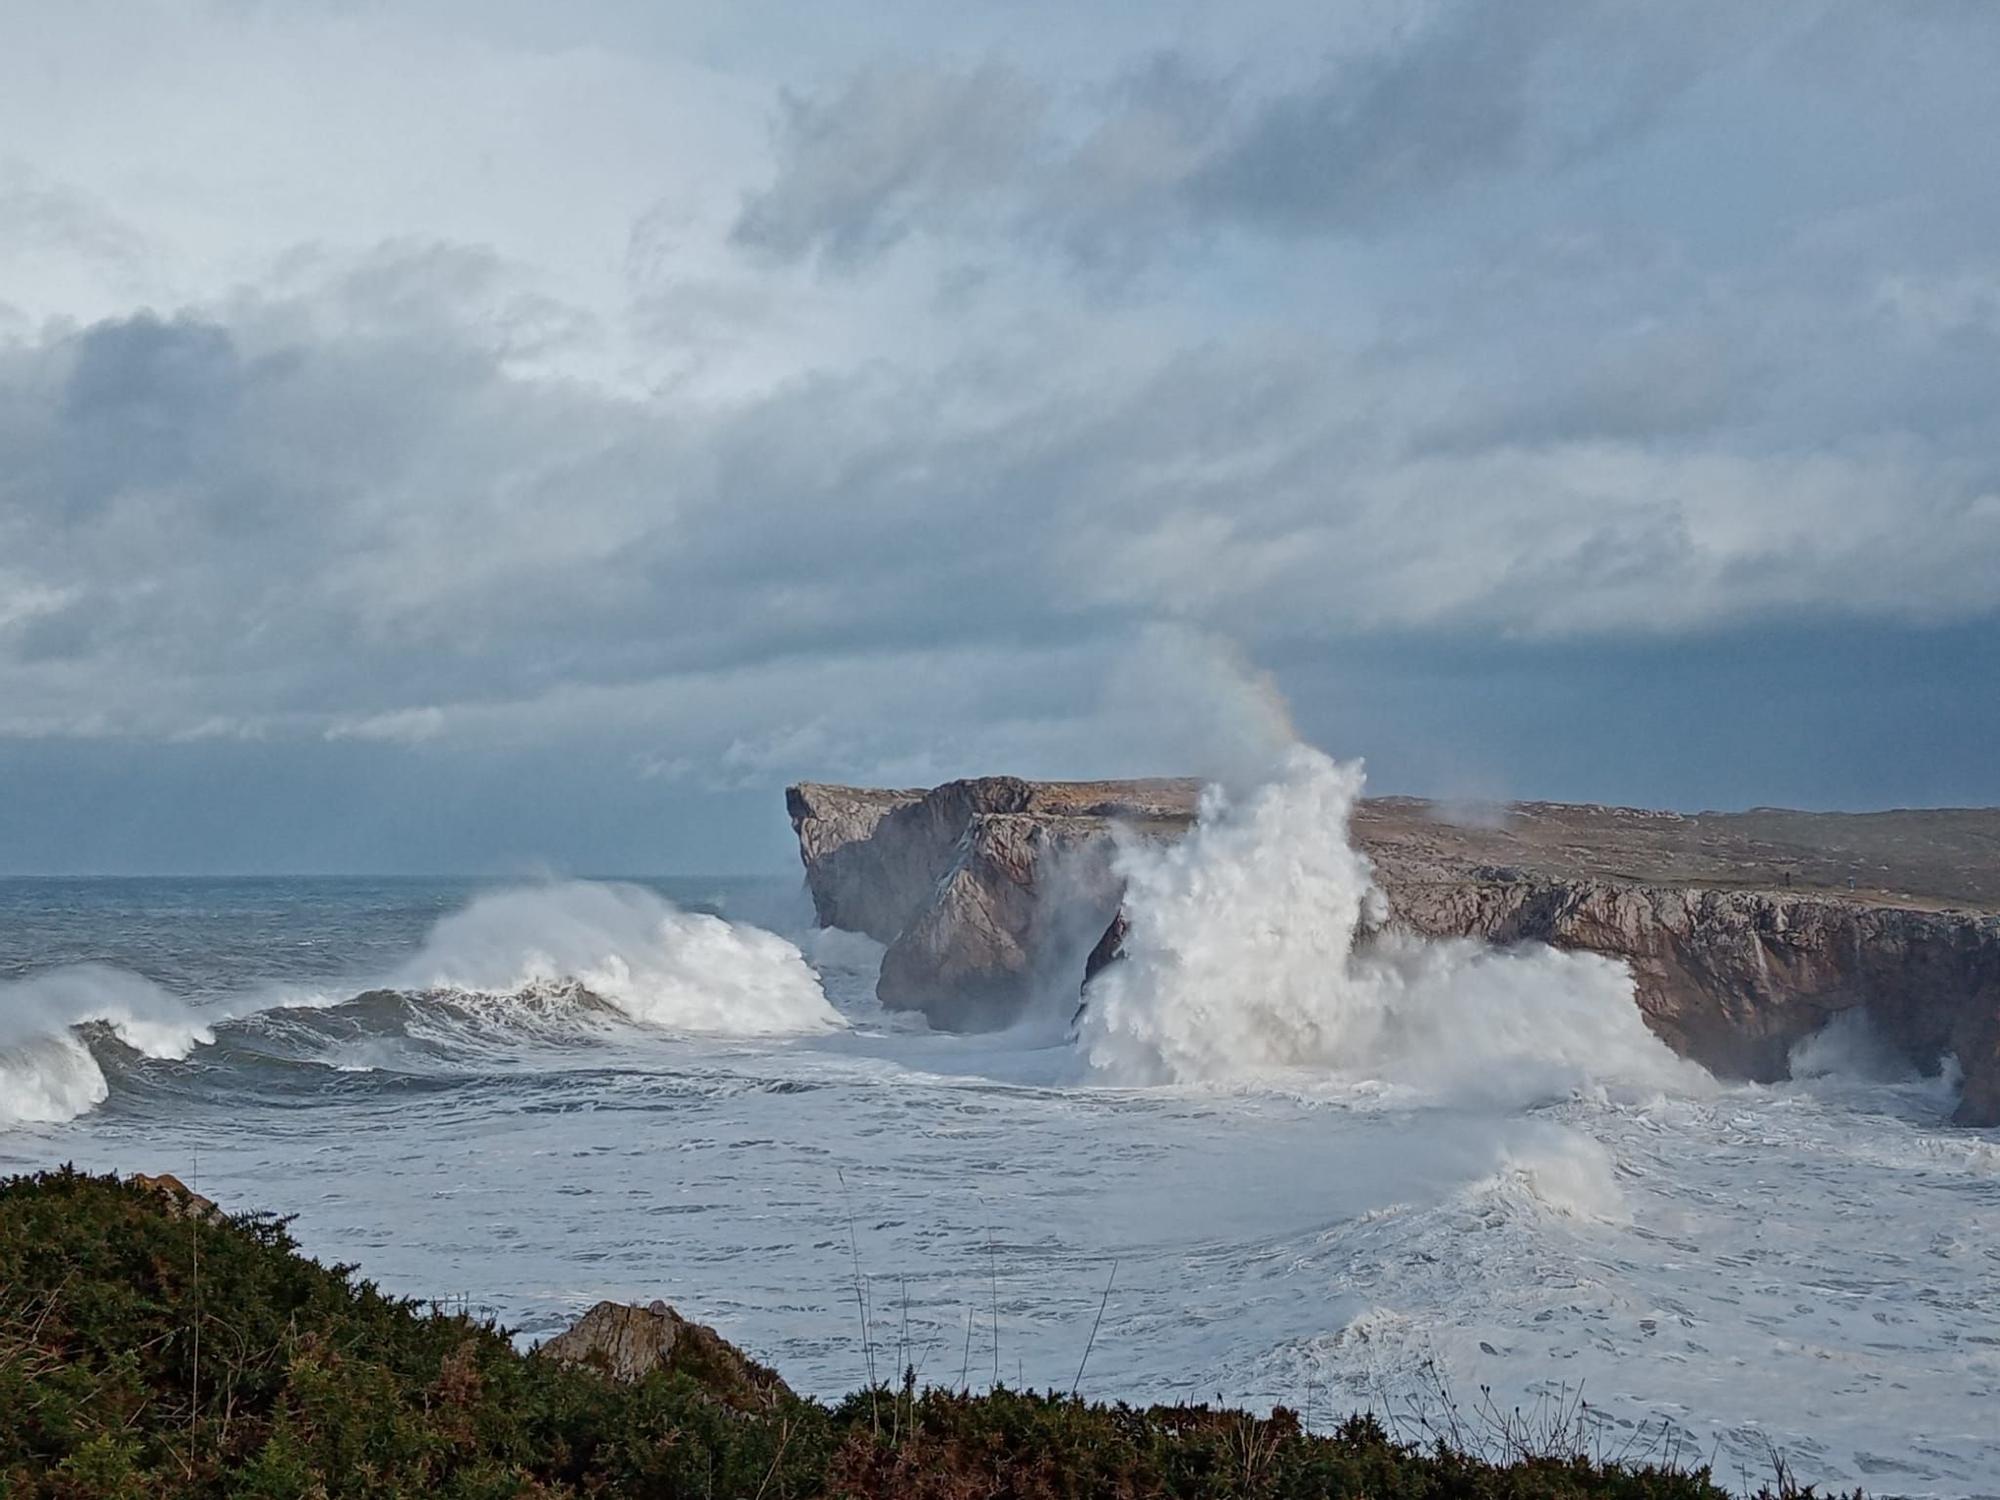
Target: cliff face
x=856, y=882
x=1733, y=979
x=873, y=857
x=1744, y=932
x=984, y=890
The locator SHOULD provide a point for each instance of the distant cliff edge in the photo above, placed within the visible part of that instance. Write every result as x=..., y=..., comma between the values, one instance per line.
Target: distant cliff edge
x=1745, y=932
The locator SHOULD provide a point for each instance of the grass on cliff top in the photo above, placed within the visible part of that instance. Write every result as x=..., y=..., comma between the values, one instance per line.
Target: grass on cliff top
x=145, y=1353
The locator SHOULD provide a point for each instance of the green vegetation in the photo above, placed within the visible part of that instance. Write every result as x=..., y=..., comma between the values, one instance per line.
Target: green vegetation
x=151, y=1348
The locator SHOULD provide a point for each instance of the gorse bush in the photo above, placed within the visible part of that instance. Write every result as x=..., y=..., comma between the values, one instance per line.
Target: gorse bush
x=148, y=1354
x=148, y=1348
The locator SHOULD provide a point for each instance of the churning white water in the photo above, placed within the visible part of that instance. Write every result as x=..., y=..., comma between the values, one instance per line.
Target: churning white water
x=1242, y=960
x=1331, y=1174
x=642, y=956
x=47, y=1070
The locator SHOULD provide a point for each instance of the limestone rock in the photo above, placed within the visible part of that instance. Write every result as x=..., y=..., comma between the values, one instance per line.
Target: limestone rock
x=1744, y=932
x=1024, y=898
x=1734, y=979
x=626, y=1343
x=856, y=881
x=180, y=1201
x=983, y=890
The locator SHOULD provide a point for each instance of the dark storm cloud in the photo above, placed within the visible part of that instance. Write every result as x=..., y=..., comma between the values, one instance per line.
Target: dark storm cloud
x=1551, y=338
x=1465, y=93
x=296, y=520
x=1377, y=132
x=145, y=404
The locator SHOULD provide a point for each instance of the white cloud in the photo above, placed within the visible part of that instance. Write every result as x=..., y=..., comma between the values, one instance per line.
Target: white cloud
x=404, y=726
x=503, y=387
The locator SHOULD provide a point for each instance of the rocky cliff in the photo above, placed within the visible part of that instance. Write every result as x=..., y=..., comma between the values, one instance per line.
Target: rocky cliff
x=985, y=891
x=1744, y=932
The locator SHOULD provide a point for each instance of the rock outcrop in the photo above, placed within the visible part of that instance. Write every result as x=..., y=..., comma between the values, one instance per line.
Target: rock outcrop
x=1744, y=932
x=180, y=1201
x=985, y=891
x=1734, y=979
x=626, y=1343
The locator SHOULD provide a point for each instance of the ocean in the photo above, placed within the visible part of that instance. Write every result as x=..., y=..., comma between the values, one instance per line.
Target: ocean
x=1484, y=1186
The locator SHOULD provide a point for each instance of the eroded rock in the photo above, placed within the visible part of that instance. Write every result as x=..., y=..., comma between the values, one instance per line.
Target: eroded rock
x=1744, y=932
x=180, y=1201
x=1734, y=979
x=624, y=1342
x=984, y=891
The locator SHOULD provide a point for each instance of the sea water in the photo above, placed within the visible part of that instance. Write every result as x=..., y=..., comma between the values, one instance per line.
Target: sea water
x=1385, y=1178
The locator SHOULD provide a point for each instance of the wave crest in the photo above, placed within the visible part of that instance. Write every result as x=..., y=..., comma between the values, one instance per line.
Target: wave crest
x=628, y=948
x=48, y=1073
x=549, y=964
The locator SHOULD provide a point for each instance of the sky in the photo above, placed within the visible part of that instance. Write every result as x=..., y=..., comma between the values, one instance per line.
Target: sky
x=486, y=436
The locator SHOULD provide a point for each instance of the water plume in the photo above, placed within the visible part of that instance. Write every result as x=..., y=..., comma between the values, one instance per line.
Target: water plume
x=1259, y=943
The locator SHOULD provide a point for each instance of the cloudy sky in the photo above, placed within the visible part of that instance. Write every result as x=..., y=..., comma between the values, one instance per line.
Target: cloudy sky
x=487, y=435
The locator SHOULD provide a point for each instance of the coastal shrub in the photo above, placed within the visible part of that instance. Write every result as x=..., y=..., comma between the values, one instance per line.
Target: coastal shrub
x=150, y=1347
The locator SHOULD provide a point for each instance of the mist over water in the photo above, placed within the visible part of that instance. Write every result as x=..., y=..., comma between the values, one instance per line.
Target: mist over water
x=1334, y=1170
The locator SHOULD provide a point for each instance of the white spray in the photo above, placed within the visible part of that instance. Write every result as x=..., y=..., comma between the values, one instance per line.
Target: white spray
x=512, y=961
x=47, y=1071
x=1251, y=949
x=630, y=948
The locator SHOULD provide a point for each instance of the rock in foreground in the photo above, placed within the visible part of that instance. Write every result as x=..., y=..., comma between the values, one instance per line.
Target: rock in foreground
x=1745, y=932
x=178, y=1200
x=628, y=1343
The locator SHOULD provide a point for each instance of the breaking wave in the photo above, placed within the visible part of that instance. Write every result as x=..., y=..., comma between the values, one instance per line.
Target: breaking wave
x=630, y=949
x=50, y=1021
x=1850, y=1045
x=1568, y=1176
x=551, y=964
x=1255, y=946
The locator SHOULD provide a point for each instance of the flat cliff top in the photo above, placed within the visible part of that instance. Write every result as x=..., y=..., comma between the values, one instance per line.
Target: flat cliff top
x=1169, y=797
x=1927, y=858
x=1930, y=858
